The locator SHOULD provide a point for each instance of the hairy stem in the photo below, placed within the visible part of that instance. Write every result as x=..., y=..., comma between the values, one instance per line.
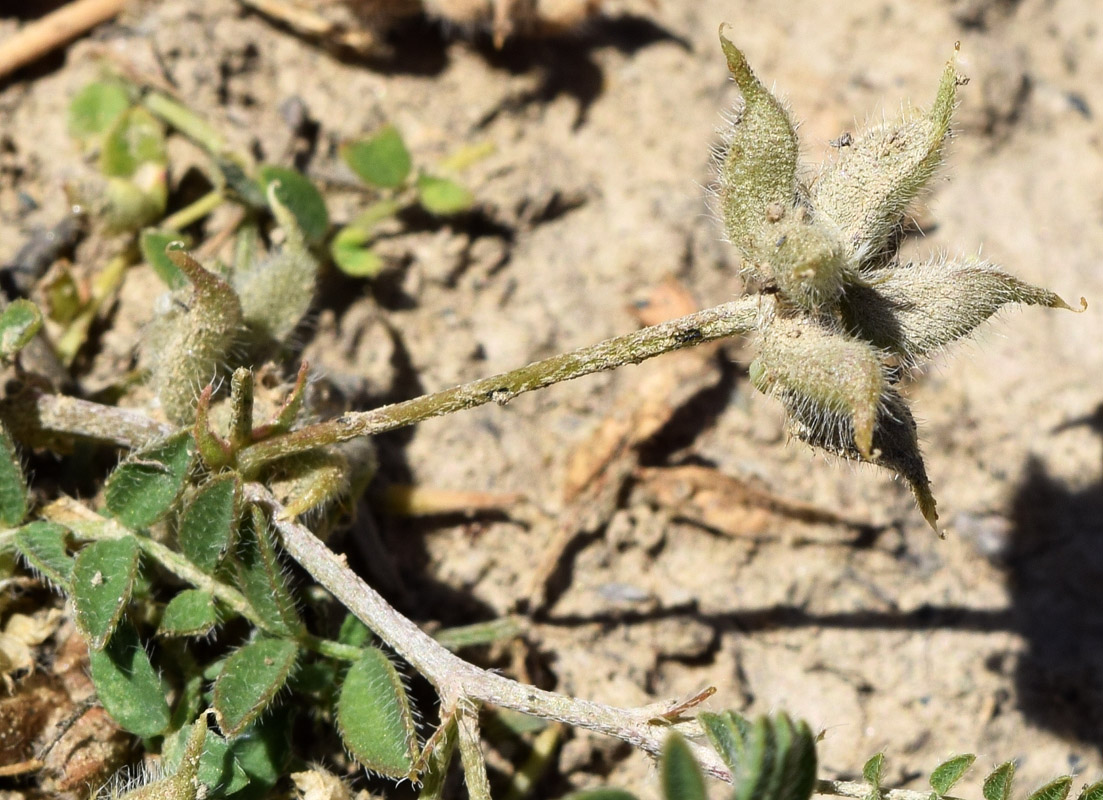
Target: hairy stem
x=861, y=791
x=729, y=319
x=458, y=682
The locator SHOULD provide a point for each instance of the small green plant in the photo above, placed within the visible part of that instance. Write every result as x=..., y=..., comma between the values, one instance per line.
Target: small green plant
x=190, y=539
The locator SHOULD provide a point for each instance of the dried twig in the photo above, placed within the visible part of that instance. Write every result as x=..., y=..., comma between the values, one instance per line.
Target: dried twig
x=55, y=29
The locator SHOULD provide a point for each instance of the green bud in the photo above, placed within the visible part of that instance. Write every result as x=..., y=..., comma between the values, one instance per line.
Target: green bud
x=915, y=309
x=821, y=374
x=808, y=261
x=757, y=181
x=866, y=191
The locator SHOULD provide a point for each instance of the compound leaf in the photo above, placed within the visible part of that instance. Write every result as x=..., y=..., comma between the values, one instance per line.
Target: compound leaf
x=144, y=487
x=381, y=160
x=190, y=613
x=42, y=545
x=103, y=577
x=680, y=775
x=374, y=717
x=249, y=681
x=208, y=521
x=949, y=772
x=127, y=684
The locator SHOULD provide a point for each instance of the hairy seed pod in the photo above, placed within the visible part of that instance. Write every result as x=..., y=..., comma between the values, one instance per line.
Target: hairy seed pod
x=821, y=374
x=277, y=291
x=866, y=191
x=895, y=445
x=757, y=180
x=188, y=347
x=916, y=309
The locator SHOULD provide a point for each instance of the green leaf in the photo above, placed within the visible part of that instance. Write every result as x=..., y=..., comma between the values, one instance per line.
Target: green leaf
x=94, y=109
x=777, y=759
x=301, y=197
x=152, y=243
x=352, y=256
x=260, y=576
x=873, y=771
x=219, y=770
x=249, y=681
x=997, y=786
x=381, y=160
x=266, y=748
x=190, y=613
x=949, y=772
x=103, y=577
x=208, y=521
x=1057, y=789
x=135, y=139
x=127, y=684
x=145, y=486
x=681, y=777
x=19, y=323
x=443, y=197
x=727, y=733
x=374, y=717
x=1091, y=792
x=353, y=632
x=13, y=486
x=42, y=545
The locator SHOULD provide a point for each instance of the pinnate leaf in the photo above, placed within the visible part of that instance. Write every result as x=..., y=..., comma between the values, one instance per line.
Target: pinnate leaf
x=249, y=681
x=374, y=717
x=144, y=487
x=209, y=520
x=19, y=323
x=127, y=684
x=103, y=577
x=301, y=197
x=997, y=786
x=949, y=772
x=680, y=775
x=42, y=545
x=381, y=160
x=1057, y=789
x=190, y=613
x=442, y=196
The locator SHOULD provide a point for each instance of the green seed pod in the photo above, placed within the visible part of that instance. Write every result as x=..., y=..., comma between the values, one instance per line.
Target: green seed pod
x=821, y=374
x=916, y=309
x=866, y=191
x=188, y=346
x=277, y=291
x=757, y=182
x=895, y=445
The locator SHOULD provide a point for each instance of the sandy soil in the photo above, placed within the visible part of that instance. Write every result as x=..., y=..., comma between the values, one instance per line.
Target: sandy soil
x=990, y=641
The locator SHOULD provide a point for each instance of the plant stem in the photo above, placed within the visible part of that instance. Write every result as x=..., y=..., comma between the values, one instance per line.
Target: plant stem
x=458, y=682
x=186, y=121
x=193, y=211
x=861, y=790
x=729, y=319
